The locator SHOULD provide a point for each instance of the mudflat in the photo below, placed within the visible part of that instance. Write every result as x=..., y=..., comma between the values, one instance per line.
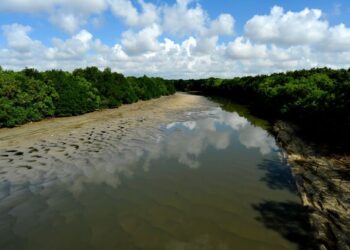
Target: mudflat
x=177, y=172
x=75, y=127
x=54, y=142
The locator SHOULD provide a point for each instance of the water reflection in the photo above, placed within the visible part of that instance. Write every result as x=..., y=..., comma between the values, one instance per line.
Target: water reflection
x=249, y=135
x=183, y=141
x=111, y=192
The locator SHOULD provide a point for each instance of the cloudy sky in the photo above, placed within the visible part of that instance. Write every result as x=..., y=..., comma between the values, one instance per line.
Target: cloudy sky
x=175, y=38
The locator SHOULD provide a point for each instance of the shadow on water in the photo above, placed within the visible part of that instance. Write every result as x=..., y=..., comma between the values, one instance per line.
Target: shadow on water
x=289, y=219
x=277, y=175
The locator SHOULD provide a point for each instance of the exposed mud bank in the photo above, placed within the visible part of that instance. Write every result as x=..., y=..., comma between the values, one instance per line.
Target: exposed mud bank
x=323, y=182
x=143, y=112
x=45, y=144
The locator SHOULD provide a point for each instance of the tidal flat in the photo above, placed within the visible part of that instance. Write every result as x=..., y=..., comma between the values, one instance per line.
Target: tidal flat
x=178, y=172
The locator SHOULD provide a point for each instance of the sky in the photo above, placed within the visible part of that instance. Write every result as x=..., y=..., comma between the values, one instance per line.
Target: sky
x=175, y=38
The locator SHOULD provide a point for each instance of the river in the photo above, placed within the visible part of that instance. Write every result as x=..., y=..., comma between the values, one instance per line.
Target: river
x=191, y=177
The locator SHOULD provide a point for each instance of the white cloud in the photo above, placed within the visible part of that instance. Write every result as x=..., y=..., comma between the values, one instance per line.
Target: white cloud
x=21, y=51
x=223, y=25
x=279, y=41
x=131, y=16
x=66, y=14
x=184, y=19
x=26, y=5
x=180, y=19
x=142, y=42
x=69, y=22
x=306, y=27
x=290, y=28
x=71, y=49
x=18, y=39
x=338, y=39
x=242, y=48
x=49, y=5
x=205, y=45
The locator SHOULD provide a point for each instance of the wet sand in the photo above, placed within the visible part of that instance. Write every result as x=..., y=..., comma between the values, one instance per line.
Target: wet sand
x=172, y=173
x=45, y=144
x=96, y=123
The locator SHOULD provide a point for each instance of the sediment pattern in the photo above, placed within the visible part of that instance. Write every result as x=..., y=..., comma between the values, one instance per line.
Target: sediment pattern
x=87, y=142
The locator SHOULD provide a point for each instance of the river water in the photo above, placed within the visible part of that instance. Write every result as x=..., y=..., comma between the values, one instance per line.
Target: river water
x=210, y=180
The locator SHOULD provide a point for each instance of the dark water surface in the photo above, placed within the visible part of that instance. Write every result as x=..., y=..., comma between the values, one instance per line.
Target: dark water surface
x=214, y=181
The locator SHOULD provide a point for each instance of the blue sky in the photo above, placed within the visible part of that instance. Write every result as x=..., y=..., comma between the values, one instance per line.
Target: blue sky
x=335, y=12
x=180, y=38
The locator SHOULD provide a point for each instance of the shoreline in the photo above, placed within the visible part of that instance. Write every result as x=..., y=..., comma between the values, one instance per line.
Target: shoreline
x=323, y=183
x=29, y=152
x=55, y=127
x=40, y=144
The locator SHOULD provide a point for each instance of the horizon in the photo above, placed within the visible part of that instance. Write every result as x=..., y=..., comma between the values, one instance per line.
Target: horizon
x=177, y=79
x=181, y=39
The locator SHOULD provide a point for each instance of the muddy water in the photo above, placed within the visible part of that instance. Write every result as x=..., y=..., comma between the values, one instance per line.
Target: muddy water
x=195, y=177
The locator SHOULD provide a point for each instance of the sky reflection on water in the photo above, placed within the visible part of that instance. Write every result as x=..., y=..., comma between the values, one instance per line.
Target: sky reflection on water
x=183, y=141
x=217, y=152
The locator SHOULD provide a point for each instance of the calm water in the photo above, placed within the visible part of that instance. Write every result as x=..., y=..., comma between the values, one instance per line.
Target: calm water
x=213, y=181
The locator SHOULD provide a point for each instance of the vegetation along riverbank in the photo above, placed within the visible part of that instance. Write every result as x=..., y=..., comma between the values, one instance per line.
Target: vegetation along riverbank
x=30, y=95
x=309, y=112
x=317, y=100
x=313, y=104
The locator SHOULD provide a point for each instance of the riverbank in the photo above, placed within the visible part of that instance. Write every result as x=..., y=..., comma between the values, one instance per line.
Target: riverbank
x=128, y=115
x=30, y=95
x=176, y=172
x=41, y=144
x=323, y=181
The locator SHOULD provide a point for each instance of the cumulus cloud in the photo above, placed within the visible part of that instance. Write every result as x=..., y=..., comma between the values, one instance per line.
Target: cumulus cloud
x=242, y=48
x=180, y=19
x=71, y=49
x=176, y=41
x=48, y=5
x=183, y=19
x=18, y=39
x=223, y=25
x=290, y=28
x=131, y=16
x=69, y=22
x=338, y=39
x=142, y=42
x=204, y=45
x=66, y=14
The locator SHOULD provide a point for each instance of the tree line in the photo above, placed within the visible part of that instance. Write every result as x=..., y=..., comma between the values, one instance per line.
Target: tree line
x=318, y=100
x=30, y=95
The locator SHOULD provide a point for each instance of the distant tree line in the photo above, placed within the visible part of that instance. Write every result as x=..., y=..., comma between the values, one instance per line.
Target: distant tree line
x=30, y=95
x=318, y=99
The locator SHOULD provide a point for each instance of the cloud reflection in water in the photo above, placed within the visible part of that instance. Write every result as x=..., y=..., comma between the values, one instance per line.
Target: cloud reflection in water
x=66, y=189
x=183, y=141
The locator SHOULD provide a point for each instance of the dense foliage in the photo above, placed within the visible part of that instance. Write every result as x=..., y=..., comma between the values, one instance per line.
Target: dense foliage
x=30, y=95
x=316, y=99
x=24, y=98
